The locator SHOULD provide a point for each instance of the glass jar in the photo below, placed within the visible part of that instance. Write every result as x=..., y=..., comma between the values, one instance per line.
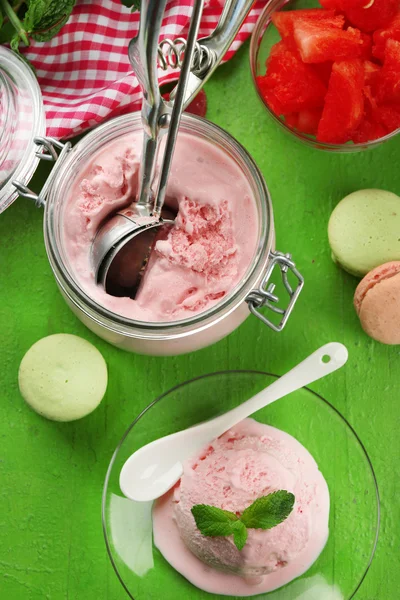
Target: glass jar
x=162, y=338
x=21, y=120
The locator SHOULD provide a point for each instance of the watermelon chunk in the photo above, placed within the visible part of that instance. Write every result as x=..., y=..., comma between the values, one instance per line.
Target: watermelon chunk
x=381, y=36
x=340, y=5
x=318, y=42
x=291, y=120
x=388, y=80
x=388, y=116
x=376, y=15
x=371, y=71
x=305, y=121
x=278, y=49
x=368, y=131
x=284, y=20
x=289, y=85
x=370, y=103
x=344, y=103
x=324, y=71
x=366, y=47
x=308, y=120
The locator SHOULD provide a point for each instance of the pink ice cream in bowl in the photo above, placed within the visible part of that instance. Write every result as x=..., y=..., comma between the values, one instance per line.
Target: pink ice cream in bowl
x=299, y=449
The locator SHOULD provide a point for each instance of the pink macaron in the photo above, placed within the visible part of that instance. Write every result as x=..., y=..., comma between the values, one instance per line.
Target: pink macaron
x=377, y=302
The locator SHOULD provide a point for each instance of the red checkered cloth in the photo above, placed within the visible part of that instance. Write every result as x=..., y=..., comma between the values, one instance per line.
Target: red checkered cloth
x=84, y=72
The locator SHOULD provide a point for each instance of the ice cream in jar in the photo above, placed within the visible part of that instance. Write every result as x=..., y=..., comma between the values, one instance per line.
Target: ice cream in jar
x=206, y=252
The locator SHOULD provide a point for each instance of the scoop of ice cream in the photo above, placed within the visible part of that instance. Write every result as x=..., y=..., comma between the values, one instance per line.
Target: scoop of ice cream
x=231, y=473
x=247, y=462
x=195, y=264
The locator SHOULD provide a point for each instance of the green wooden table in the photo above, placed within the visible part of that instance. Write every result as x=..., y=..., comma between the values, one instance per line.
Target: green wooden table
x=51, y=475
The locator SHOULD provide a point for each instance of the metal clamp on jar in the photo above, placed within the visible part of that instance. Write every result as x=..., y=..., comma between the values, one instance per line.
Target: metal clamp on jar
x=252, y=293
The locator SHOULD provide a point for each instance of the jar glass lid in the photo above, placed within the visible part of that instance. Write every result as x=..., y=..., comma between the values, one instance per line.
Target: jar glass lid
x=21, y=120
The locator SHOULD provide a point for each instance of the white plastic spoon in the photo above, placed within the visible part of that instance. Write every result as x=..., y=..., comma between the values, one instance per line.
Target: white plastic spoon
x=155, y=468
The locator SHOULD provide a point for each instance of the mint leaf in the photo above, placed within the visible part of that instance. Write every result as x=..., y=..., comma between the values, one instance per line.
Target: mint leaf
x=6, y=32
x=44, y=18
x=212, y=521
x=268, y=511
x=239, y=534
x=264, y=513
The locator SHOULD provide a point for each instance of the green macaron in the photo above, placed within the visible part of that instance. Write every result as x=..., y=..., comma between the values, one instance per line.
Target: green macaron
x=364, y=231
x=63, y=377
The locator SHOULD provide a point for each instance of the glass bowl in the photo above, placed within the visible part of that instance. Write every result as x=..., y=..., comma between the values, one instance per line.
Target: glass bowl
x=342, y=459
x=264, y=36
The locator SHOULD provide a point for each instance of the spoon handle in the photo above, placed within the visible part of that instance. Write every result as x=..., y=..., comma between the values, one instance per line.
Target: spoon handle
x=325, y=360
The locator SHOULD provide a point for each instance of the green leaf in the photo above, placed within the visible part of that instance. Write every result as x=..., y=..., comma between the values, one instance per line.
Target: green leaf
x=212, y=521
x=8, y=11
x=44, y=18
x=268, y=511
x=134, y=4
x=264, y=513
x=14, y=43
x=239, y=534
x=6, y=33
x=1, y=20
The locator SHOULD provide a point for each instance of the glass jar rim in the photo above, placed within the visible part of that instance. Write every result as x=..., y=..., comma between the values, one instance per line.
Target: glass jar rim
x=24, y=81
x=92, y=142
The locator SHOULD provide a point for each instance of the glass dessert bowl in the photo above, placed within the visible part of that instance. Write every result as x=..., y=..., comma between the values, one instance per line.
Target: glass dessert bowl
x=354, y=516
x=264, y=36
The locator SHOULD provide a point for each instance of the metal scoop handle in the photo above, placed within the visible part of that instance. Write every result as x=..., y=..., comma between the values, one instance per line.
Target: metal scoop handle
x=142, y=53
x=217, y=44
x=158, y=117
x=178, y=106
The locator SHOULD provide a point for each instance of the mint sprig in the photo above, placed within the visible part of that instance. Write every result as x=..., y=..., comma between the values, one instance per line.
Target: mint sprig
x=265, y=513
x=37, y=19
x=213, y=521
x=40, y=20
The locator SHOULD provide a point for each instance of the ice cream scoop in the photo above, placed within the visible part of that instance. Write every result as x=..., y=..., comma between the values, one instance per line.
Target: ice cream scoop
x=377, y=302
x=133, y=230
x=140, y=222
x=153, y=469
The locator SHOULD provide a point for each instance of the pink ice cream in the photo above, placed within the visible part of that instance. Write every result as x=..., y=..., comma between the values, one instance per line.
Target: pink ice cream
x=247, y=462
x=206, y=253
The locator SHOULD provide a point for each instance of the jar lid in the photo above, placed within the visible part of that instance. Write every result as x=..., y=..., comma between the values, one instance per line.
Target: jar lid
x=22, y=119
